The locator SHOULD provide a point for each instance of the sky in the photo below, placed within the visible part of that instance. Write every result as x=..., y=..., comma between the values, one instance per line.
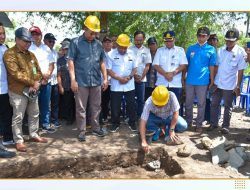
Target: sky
x=21, y=20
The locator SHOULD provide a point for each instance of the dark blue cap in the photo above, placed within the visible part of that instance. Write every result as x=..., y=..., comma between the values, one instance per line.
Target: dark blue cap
x=49, y=36
x=152, y=40
x=24, y=34
x=169, y=35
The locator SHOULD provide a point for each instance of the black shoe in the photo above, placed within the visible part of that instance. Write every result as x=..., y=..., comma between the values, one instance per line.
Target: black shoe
x=6, y=154
x=99, y=133
x=133, y=128
x=82, y=137
x=211, y=128
x=48, y=130
x=224, y=131
x=114, y=128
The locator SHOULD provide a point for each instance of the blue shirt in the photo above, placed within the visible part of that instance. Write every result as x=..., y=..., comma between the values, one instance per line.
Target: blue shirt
x=200, y=58
x=87, y=57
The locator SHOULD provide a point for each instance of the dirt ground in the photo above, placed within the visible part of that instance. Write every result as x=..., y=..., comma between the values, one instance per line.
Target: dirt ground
x=119, y=156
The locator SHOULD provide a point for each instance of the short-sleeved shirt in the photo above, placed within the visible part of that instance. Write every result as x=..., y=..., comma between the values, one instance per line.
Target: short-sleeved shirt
x=229, y=63
x=169, y=60
x=43, y=55
x=3, y=72
x=62, y=67
x=162, y=112
x=23, y=69
x=122, y=65
x=87, y=57
x=54, y=73
x=143, y=57
x=200, y=58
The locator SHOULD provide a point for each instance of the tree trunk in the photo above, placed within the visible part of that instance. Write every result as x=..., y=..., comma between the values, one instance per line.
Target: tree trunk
x=248, y=20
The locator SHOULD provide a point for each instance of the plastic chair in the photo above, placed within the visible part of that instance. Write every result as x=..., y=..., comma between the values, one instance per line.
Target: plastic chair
x=244, y=92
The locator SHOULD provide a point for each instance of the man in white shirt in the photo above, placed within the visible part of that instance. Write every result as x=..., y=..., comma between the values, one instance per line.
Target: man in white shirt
x=143, y=61
x=122, y=67
x=231, y=62
x=5, y=108
x=46, y=63
x=170, y=62
x=49, y=40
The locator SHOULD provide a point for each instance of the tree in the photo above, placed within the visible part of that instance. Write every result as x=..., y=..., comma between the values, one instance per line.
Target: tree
x=185, y=24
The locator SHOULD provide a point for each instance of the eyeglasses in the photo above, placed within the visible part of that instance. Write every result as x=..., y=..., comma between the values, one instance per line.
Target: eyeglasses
x=51, y=41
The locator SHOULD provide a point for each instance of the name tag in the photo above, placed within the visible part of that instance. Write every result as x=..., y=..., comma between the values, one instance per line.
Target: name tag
x=34, y=70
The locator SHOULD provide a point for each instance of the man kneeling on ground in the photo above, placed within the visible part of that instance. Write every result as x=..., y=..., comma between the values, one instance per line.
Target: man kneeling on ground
x=161, y=109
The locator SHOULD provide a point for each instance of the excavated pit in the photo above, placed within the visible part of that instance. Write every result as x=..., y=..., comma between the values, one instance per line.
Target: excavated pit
x=128, y=164
x=123, y=165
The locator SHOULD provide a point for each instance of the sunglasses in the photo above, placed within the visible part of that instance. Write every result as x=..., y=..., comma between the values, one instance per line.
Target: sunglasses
x=51, y=41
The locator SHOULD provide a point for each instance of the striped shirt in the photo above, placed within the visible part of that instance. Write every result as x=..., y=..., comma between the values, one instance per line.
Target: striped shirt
x=162, y=112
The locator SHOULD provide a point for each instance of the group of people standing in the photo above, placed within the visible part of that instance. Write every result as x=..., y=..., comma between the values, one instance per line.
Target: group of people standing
x=90, y=74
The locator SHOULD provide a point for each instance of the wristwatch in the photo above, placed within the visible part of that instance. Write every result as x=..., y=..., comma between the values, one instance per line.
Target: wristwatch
x=171, y=129
x=130, y=77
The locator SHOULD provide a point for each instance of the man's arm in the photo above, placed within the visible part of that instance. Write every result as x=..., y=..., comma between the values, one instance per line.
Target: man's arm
x=212, y=75
x=237, y=88
x=105, y=76
x=74, y=84
x=142, y=128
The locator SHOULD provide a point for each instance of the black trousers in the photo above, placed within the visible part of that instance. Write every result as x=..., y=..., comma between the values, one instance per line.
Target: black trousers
x=116, y=98
x=5, y=117
x=105, y=103
x=67, y=106
x=148, y=92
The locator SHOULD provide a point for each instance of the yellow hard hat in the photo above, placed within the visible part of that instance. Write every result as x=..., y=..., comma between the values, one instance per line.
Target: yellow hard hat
x=123, y=40
x=92, y=23
x=160, y=96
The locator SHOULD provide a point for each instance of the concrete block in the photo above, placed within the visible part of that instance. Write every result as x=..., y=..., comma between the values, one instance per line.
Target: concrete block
x=241, y=152
x=219, y=155
x=235, y=160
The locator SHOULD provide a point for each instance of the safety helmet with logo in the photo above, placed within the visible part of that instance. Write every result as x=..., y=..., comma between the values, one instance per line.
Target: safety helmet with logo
x=92, y=23
x=160, y=96
x=123, y=40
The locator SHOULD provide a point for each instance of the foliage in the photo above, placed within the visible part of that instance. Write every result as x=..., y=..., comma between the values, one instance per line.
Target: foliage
x=184, y=24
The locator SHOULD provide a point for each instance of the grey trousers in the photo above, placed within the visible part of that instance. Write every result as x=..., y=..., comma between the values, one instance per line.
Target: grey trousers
x=93, y=95
x=200, y=92
x=228, y=97
x=20, y=104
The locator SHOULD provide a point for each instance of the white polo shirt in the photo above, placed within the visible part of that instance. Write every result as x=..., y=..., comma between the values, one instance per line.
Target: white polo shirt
x=229, y=63
x=3, y=72
x=143, y=57
x=54, y=73
x=122, y=65
x=169, y=60
x=44, y=56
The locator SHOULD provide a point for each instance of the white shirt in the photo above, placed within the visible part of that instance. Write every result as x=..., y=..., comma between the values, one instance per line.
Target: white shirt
x=143, y=57
x=122, y=65
x=229, y=63
x=169, y=60
x=3, y=72
x=44, y=56
x=54, y=73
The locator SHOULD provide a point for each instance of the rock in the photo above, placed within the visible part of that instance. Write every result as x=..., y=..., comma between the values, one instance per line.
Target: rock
x=210, y=144
x=219, y=155
x=156, y=164
x=184, y=151
x=235, y=160
x=206, y=142
x=241, y=152
x=218, y=141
